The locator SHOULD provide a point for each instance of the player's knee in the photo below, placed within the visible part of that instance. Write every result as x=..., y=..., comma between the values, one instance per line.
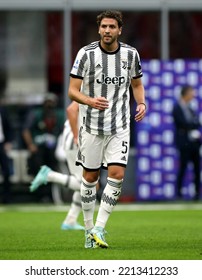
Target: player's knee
x=116, y=173
x=90, y=176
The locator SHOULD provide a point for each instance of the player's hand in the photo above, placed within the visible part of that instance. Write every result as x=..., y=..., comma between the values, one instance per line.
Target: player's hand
x=8, y=146
x=76, y=141
x=33, y=148
x=141, y=111
x=100, y=103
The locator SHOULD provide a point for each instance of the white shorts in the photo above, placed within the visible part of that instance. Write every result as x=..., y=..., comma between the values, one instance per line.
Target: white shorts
x=103, y=150
x=71, y=162
x=67, y=151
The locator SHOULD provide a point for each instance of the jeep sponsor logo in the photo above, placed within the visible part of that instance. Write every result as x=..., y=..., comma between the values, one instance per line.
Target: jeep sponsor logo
x=108, y=80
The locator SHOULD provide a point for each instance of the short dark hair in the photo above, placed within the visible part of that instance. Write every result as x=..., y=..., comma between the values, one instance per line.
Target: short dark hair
x=117, y=15
x=185, y=89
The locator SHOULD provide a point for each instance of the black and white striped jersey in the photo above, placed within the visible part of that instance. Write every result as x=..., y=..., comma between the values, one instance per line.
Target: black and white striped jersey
x=106, y=74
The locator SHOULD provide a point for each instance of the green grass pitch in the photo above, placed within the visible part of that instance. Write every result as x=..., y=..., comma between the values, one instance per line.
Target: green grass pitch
x=132, y=235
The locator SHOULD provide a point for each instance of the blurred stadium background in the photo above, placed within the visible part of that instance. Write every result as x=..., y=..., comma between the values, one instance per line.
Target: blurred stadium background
x=38, y=42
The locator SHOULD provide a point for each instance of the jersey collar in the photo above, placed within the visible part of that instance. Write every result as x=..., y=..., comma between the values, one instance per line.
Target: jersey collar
x=114, y=52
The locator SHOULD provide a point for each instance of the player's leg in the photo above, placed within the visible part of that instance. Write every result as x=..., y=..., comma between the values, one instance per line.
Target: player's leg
x=88, y=197
x=90, y=157
x=70, y=221
x=110, y=194
x=88, y=200
x=116, y=156
x=109, y=199
x=47, y=175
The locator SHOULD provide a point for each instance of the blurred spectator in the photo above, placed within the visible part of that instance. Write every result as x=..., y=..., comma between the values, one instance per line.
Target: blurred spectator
x=41, y=130
x=6, y=138
x=187, y=138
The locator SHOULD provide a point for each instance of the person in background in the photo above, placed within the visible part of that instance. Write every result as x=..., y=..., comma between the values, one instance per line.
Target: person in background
x=6, y=138
x=99, y=80
x=187, y=138
x=40, y=133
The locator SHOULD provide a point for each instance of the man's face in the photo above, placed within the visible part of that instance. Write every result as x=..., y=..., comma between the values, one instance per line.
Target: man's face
x=190, y=95
x=49, y=104
x=109, y=31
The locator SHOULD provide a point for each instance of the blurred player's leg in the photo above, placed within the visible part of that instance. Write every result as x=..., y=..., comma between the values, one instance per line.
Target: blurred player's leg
x=70, y=222
x=46, y=175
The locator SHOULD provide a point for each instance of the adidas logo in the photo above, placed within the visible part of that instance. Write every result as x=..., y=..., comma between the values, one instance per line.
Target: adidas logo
x=98, y=65
x=123, y=158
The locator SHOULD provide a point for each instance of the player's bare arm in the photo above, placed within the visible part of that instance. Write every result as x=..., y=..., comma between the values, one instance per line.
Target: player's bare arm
x=100, y=103
x=139, y=95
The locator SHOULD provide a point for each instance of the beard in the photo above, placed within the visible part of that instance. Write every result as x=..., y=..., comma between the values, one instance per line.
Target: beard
x=108, y=40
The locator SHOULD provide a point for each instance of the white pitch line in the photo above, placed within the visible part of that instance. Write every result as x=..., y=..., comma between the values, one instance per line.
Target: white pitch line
x=119, y=207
